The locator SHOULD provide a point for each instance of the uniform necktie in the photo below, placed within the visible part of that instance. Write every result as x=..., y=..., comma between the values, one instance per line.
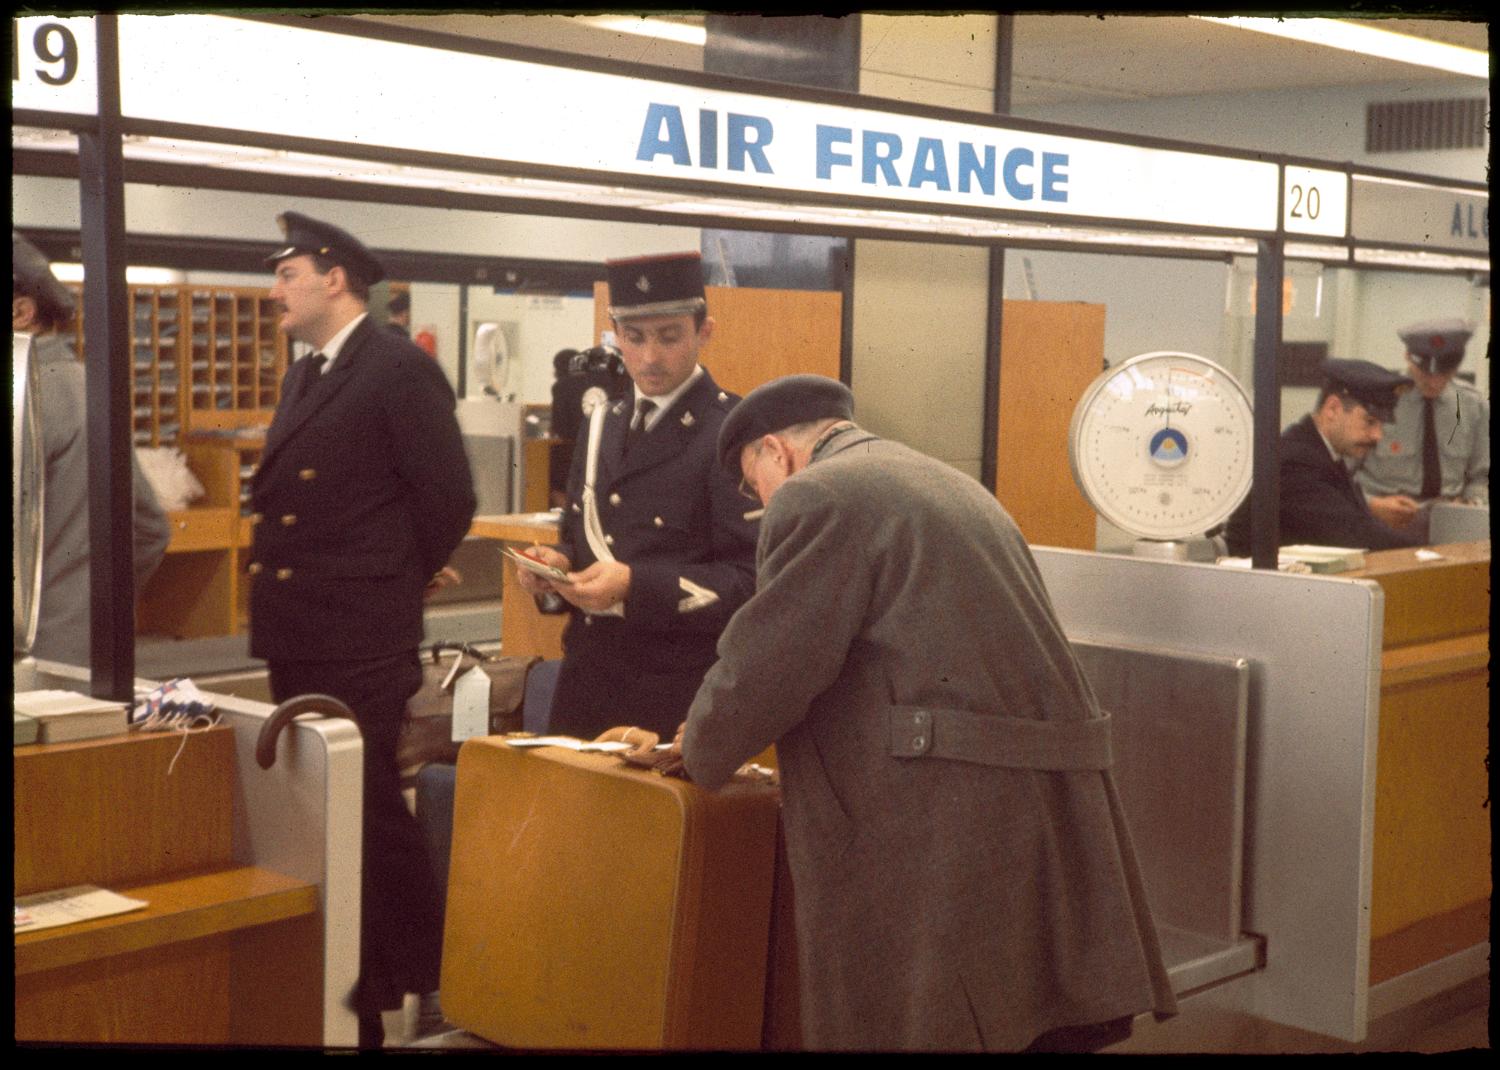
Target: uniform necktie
x=314, y=372
x=638, y=427
x=1432, y=464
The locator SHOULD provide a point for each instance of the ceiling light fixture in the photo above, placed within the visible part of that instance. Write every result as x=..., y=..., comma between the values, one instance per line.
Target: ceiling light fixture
x=1368, y=41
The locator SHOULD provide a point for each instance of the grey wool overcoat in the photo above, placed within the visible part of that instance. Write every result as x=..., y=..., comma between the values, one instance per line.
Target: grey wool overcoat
x=942, y=902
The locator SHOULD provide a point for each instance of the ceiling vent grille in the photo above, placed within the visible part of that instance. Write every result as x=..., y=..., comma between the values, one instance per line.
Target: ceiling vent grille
x=1409, y=125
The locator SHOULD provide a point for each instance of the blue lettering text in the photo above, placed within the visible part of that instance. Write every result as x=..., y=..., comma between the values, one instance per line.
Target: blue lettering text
x=874, y=142
x=970, y=167
x=828, y=137
x=1016, y=159
x=1054, y=176
x=708, y=137
x=930, y=165
x=742, y=145
x=663, y=134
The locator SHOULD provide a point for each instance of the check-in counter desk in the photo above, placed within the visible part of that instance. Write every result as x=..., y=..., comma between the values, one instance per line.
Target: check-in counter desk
x=252, y=877
x=523, y=628
x=1300, y=758
x=1431, y=885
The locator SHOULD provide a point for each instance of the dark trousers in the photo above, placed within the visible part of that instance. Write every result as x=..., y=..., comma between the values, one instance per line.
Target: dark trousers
x=400, y=934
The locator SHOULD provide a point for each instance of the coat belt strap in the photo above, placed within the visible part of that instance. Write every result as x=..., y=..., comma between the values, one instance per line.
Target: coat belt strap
x=1010, y=742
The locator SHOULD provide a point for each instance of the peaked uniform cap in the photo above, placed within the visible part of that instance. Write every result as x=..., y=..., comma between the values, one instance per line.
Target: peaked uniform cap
x=1374, y=387
x=1437, y=345
x=312, y=237
x=667, y=285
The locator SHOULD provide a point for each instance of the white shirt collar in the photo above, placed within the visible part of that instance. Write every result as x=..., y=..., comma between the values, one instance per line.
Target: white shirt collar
x=336, y=343
x=665, y=401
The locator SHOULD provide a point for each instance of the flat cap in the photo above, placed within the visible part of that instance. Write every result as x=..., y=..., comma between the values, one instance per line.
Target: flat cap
x=667, y=285
x=306, y=236
x=1374, y=387
x=777, y=405
x=1437, y=345
x=31, y=274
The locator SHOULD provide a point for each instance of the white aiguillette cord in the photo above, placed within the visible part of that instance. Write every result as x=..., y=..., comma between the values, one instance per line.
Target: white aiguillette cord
x=592, y=530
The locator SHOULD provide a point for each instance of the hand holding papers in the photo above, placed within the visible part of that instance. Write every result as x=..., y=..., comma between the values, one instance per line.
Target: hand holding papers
x=532, y=562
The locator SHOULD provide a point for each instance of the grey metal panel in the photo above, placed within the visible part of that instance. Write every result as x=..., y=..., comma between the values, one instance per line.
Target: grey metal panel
x=491, y=462
x=1314, y=646
x=1454, y=522
x=302, y=818
x=1179, y=744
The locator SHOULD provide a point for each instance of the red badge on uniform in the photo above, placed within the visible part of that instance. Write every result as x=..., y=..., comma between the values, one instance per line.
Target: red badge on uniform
x=1395, y=447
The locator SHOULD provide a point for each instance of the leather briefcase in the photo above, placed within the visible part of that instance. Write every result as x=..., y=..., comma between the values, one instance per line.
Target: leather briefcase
x=427, y=735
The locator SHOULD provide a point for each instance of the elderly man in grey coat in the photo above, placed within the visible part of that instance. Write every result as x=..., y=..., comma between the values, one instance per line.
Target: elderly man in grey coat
x=962, y=873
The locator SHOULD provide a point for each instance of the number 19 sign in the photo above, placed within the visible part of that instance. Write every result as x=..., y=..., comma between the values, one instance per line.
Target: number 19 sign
x=52, y=65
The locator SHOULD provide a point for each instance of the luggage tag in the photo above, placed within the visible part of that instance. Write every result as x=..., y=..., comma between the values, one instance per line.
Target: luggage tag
x=471, y=705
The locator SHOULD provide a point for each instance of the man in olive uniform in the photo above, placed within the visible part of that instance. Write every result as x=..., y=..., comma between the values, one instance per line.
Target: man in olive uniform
x=656, y=540
x=362, y=493
x=1437, y=446
x=1319, y=502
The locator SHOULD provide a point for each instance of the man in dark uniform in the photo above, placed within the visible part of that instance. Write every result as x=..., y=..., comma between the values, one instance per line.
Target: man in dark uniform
x=1319, y=502
x=362, y=493
x=656, y=540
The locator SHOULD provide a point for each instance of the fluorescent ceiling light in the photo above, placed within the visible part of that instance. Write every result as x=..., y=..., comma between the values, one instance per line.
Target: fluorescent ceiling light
x=1315, y=251
x=1368, y=41
x=134, y=276
x=1419, y=260
x=645, y=26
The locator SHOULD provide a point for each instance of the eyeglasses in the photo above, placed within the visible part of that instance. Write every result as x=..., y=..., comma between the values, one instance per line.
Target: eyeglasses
x=745, y=488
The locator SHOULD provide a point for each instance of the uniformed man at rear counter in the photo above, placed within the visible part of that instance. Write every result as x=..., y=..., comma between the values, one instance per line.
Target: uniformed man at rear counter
x=656, y=536
x=1319, y=502
x=1437, y=446
x=362, y=493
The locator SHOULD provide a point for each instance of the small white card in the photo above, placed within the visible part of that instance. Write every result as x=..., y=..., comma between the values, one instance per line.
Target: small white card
x=471, y=705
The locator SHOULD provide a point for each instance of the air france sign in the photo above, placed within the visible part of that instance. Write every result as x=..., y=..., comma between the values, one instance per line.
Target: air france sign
x=226, y=74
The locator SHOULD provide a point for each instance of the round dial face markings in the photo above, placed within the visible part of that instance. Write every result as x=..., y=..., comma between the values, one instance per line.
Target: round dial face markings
x=1161, y=445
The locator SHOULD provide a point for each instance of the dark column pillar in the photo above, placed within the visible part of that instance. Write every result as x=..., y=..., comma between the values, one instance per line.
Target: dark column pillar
x=990, y=421
x=1265, y=492
x=107, y=363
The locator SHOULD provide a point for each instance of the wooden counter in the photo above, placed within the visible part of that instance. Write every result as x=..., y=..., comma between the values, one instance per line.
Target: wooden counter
x=523, y=628
x=221, y=954
x=1431, y=885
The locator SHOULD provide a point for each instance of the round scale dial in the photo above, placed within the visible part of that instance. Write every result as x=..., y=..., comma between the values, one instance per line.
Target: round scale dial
x=1161, y=445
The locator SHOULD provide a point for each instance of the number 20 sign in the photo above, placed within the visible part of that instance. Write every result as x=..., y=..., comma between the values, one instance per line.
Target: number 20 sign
x=52, y=65
x=1315, y=202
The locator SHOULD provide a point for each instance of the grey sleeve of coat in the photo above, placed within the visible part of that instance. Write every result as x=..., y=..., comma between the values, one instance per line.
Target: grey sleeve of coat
x=789, y=642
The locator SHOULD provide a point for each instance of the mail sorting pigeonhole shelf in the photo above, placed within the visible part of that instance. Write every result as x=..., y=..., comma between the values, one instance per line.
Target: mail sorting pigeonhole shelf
x=1179, y=729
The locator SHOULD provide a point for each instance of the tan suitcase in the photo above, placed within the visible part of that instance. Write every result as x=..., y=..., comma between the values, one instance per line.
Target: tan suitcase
x=593, y=904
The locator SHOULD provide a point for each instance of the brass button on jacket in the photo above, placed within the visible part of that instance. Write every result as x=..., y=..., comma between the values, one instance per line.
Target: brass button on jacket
x=283, y=573
x=308, y=473
x=289, y=520
x=256, y=518
x=255, y=568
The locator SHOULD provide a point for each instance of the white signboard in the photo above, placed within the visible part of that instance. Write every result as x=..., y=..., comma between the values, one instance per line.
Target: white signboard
x=52, y=65
x=240, y=75
x=1315, y=201
x=1404, y=213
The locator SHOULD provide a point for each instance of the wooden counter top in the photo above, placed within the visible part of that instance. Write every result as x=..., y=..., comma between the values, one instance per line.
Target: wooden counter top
x=1384, y=562
x=518, y=527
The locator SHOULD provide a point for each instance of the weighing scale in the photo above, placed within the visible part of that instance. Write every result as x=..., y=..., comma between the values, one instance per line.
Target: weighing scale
x=1161, y=446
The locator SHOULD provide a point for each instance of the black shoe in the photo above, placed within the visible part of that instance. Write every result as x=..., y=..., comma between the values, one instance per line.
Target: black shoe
x=371, y=1031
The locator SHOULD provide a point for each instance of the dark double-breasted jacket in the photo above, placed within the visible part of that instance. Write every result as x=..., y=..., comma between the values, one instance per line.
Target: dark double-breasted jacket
x=1319, y=502
x=676, y=518
x=362, y=493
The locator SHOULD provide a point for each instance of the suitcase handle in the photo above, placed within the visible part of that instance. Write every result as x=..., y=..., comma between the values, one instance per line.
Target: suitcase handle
x=265, y=743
